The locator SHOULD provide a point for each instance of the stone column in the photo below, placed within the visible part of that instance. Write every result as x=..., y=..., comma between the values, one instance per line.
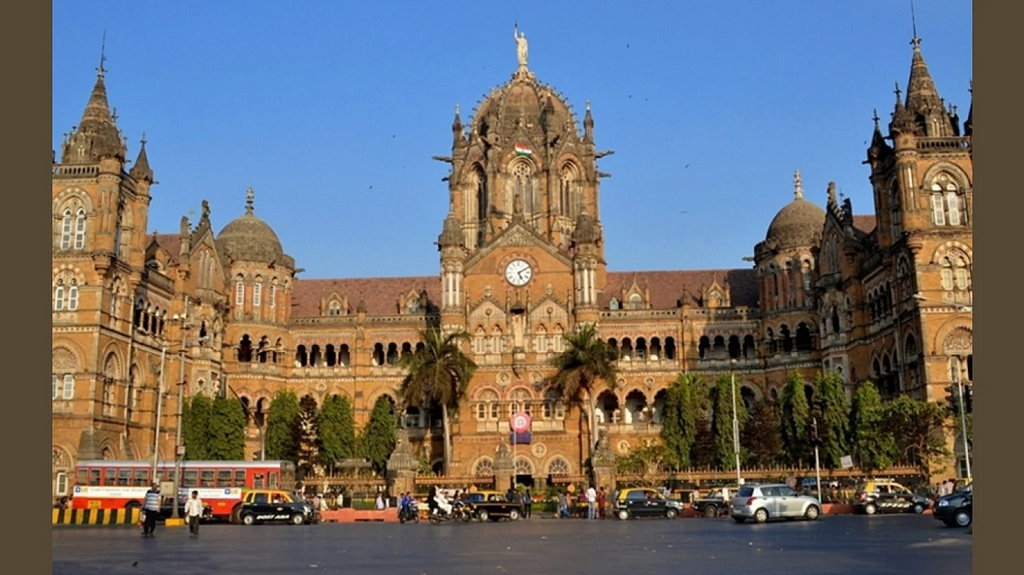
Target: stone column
x=402, y=465
x=604, y=463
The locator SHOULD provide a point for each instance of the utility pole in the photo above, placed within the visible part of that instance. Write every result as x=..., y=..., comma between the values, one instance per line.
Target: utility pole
x=817, y=463
x=159, y=408
x=963, y=422
x=735, y=427
x=181, y=398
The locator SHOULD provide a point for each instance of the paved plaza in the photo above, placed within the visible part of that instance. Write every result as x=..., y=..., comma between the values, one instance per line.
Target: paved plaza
x=902, y=544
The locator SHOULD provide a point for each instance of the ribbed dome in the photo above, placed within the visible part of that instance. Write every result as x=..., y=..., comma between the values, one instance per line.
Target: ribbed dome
x=249, y=238
x=798, y=224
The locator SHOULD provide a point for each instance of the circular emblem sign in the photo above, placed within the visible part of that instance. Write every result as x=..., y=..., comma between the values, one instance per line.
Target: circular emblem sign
x=520, y=423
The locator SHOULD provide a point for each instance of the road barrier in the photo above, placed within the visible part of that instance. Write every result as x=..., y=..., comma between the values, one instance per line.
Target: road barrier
x=96, y=516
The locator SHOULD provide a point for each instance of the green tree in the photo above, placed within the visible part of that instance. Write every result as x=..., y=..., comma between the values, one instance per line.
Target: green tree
x=795, y=419
x=585, y=362
x=307, y=434
x=226, y=430
x=833, y=418
x=645, y=461
x=337, y=436
x=438, y=373
x=704, y=454
x=919, y=430
x=685, y=399
x=870, y=445
x=722, y=416
x=761, y=437
x=196, y=414
x=281, y=434
x=377, y=440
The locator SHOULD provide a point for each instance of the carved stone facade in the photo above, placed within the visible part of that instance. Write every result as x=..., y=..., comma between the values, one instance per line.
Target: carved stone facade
x=884, y=297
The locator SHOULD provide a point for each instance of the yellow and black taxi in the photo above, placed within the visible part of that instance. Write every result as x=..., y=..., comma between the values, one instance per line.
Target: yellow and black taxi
x=887, y=496
x=274, y=506
x=492, y=505
x=646, y=502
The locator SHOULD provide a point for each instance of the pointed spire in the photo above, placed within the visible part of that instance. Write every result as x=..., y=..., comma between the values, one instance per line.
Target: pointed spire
x=969, y=123
x=141, y=169
x=249, y=196
x=588, y=125
x=798, y=186
x=97, y=134
x=922, y=96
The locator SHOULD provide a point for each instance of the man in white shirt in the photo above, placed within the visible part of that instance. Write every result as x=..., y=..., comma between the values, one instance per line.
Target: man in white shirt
x=194, y=511
x=591, y=503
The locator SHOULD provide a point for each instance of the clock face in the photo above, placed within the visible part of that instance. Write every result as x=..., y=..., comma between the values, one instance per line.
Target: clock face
x=518, y=273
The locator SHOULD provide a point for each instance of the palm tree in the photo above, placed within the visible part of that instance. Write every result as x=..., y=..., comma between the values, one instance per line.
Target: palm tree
x=584, y=362
x=438, y=372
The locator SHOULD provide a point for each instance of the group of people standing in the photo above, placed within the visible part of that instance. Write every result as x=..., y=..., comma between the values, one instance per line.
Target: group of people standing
x=595, y=501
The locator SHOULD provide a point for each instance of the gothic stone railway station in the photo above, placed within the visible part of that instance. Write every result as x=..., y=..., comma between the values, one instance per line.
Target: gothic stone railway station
x=884, y=296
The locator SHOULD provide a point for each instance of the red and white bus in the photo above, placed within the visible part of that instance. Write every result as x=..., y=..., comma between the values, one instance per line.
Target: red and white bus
x=103, y=484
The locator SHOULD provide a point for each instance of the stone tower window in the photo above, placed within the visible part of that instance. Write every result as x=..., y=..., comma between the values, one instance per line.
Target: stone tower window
x=522, y=184
x=80, y=229
x=65, y=230
x=948, y=205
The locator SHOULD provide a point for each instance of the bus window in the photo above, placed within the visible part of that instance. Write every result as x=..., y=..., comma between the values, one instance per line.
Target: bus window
x=109, y=476
x=224, y=478
x=191, y=478
x=239, y=478
x=83, y=477
x=62, y=483
x=124, y=477
x=141, y=477
x=273, y=480
x=207, y=478
x=257, y=481
x=94, y=477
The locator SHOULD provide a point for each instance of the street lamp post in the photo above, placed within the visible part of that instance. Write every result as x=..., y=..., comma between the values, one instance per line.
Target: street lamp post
x=181, y=399
x=735, y=425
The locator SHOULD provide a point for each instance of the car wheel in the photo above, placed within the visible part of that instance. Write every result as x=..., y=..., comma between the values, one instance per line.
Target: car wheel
x=298, y=519
x=513, y=515
x=918, y=508
x=812, y=513
x=236, y=515
x=623, y=514
x=870, y=509
x=670, y=513
x=484, y=515
x=249, y=519
x=739, y=519
x=711, y=511
x=962, y=518
x=761, y=515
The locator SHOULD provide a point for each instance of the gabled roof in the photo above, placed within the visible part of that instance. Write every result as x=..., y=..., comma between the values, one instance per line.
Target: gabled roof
x=379, y=294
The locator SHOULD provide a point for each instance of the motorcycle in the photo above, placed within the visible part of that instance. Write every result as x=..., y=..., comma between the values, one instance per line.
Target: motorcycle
x=458, y=513
x=410, y=512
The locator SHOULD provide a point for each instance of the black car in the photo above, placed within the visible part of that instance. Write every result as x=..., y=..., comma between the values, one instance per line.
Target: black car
x=955, y=510
x=643, y=502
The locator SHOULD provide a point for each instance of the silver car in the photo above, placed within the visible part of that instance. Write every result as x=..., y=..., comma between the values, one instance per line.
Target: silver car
x=772, y=501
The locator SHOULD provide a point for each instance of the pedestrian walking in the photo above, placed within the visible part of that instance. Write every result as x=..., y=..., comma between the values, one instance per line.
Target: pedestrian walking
x=151, y=508
x=600, y=503
x=527, y=504
x=563, y=505
x=194, y=512
x=591, y=503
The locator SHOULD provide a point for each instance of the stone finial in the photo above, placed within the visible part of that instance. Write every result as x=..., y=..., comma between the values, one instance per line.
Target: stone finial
x=249, y=197
x=798, y=186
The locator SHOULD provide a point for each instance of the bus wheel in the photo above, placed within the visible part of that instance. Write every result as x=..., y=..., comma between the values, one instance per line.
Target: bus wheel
x=132, y=505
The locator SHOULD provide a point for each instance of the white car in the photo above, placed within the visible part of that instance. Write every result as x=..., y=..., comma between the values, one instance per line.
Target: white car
x=772, y=501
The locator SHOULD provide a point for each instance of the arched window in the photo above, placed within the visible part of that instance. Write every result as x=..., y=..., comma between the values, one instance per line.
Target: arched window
x=948, y=205
x=73, y=296
x=636, y=301
x=484, y=468
x=613, y=304
x=670, y=348
x=541, y=340
x=239, y=293
x=568, y=191
x=522, y=181
x=257, y=294
x=334, y=308
x=955, y=272
x=59, y=294
x=65, y=230
x=80, y=229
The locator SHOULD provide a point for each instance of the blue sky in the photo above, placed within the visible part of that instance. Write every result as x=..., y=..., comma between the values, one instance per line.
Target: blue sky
x=331, y=111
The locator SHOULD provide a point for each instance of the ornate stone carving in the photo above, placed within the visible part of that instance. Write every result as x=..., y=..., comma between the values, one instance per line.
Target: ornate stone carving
x=64, y=360
x=958, y=341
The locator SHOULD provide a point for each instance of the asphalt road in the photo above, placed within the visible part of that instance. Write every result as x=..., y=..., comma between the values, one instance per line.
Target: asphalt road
x=897, y=544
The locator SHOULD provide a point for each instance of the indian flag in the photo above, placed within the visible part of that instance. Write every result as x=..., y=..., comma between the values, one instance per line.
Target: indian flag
x=522, y=150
